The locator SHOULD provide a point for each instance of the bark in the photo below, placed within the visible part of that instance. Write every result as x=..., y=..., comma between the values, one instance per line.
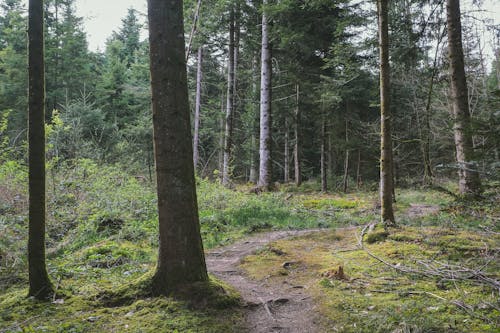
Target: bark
x=194, y=28
x=468, y=178
x=286, y=162
x=331, y=157
x=226, y=169
x=297, y=151
x=324, y=183
x=197, y=109
x=181, y=259
x=40, y=285
x=346, y=160
x=265, y=167
x=254, y=175
x=358, y=171
x=386, y=162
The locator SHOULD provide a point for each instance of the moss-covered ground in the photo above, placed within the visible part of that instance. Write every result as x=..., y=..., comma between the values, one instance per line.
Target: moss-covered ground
x=102, y=242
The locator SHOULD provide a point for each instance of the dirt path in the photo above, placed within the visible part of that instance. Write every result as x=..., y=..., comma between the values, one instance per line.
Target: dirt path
x=271, y=307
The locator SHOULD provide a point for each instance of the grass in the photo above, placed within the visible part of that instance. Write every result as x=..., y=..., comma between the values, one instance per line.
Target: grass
x=102, y=238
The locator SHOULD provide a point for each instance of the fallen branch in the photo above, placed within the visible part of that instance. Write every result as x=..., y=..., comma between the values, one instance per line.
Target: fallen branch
x=444, y=271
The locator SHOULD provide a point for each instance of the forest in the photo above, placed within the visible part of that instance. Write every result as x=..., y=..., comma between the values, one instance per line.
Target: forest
x=251, y=166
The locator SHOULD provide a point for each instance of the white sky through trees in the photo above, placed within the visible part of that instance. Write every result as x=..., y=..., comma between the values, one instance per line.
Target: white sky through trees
x=102, y=17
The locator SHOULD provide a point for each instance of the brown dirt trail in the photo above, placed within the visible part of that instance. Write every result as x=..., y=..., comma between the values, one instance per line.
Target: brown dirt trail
x=270, y=307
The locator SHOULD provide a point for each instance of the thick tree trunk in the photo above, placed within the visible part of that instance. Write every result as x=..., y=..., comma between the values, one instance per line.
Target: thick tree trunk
x=181, y=259
x=265, y=168
x=386, y=167
x=469, y=183
x=226, y=168
x=40, y=285
x=197, y=109
x=324, y=183
x=297, y=151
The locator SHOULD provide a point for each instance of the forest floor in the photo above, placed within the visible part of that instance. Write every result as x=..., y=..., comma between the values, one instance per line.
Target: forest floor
x=271, y=307
x=287, y=261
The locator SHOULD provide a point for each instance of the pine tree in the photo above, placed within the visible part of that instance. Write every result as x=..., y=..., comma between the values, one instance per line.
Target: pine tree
x=40, y=285
x=181, y=258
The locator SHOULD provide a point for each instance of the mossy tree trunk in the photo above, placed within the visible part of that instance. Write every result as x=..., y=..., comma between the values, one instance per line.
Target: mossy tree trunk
x=40, y=285
x=468, y=176
x=181, y=259
x=386, y=158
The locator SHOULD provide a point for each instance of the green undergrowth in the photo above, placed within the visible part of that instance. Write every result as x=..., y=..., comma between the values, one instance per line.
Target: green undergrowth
x=370, y=296
x=102, y=235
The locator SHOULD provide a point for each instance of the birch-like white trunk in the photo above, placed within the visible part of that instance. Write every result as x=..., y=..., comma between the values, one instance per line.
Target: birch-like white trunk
x=265, y=107
x=226, y=168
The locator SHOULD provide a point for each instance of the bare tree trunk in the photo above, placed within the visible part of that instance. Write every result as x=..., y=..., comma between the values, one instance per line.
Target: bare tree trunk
x=297, y=152
x=425, y=142
x=324, y=183
x=197, y=109
x=286, y=161
x=254, y=175
x=221, y=134
x=358, y=171
x=40, y=285
x=386, y=163
x=469, y=183
x=331, y=158
x=346, y=160
x=265, y=168
x=229, y=106
x=181, y=258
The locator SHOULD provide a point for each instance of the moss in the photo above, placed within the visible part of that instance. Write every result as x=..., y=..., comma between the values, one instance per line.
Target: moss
x=375, y=298
x=377, y=234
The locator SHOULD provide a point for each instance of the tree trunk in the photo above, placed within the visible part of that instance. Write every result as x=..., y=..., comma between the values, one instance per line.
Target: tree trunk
x=254, y=175
x=40, y=285
x=265, y=168
x=181, y=259
x=324, y=183
x=386, y=167
x=358, y=171
x=286, y=161
x=331, y=157
x=346, y=160
x=297, y=151
x=469, y=183
x=229, y=106
x=197, y=109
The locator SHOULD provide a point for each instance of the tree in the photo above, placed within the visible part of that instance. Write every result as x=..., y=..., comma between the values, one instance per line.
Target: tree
x=197, y=108
x=228, y=133
x=469, y=183
x=181, y=259
x=265, y=168
x=386, y=168
x=40, y=285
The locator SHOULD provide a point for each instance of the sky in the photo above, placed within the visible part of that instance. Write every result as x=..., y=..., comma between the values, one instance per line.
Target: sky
x=102, y=17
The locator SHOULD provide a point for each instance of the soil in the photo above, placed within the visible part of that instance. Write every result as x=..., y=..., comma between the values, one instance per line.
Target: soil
x=269, y=307
x=420, y=210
